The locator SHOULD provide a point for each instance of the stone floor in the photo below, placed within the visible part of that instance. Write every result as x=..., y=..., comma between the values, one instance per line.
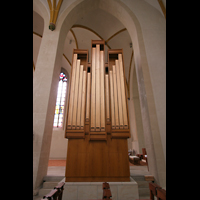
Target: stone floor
x=135, y=171
x=60, y=170
x=56, y=171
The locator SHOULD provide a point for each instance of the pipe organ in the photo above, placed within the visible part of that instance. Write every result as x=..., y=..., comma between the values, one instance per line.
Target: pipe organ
x=97, y=124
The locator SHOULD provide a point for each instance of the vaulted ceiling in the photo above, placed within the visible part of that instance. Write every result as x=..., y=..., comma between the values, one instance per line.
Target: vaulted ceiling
x=96, y=25
x=102, y=26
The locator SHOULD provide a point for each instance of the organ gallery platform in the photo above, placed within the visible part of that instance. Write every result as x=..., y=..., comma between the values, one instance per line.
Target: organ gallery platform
x=97, y=123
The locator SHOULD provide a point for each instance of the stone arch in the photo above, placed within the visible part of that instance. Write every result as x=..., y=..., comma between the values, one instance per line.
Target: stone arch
x=129, y=20
x=40, y=9
x=118, y=9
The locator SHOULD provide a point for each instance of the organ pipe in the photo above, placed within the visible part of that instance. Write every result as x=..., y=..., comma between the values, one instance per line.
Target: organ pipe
x=97, y=101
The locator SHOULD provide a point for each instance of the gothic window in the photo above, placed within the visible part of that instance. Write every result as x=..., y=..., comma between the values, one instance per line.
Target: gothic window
x=60, y=101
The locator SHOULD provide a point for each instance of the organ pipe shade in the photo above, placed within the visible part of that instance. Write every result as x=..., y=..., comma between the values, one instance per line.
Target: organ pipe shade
x=97, y=97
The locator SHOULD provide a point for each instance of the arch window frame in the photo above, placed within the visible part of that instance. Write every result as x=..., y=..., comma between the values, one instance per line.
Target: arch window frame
x=59, y=113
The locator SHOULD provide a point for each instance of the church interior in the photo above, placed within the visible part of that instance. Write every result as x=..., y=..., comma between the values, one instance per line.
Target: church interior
x=132, y=158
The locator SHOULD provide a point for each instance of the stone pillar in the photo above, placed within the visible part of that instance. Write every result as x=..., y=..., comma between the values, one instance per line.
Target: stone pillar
x=45, y=82
x=133, y=126
x=148, y=136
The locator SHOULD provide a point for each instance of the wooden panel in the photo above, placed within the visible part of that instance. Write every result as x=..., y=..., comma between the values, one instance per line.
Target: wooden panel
x=83, y=100
x=95, y=151
x=115, y=98
x=98, y=135
x=71, y=98
x=112, y=101
x=107, y=100
x=76, y=134
x=75, y=95
x=93, y=87
x=88, y=97
x=97, y=64
x=97, y=160
x=102, y=98
x=80, y=87
x=119, y=95
x=123, y=92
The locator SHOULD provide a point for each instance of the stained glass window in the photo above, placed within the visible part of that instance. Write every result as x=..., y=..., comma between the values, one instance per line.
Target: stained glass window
x=60, y=101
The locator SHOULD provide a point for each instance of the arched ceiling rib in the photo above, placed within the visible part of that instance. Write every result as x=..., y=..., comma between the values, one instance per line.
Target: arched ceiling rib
x=102, y=26
x=89, y=29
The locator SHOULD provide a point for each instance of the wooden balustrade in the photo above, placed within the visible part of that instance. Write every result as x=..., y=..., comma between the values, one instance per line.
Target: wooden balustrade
x=56, y=193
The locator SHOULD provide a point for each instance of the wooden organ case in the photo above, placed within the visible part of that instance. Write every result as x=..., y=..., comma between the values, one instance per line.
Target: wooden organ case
x=97, y=125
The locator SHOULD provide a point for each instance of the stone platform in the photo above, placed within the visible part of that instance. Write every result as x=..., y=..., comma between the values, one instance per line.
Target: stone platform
x=93, y=190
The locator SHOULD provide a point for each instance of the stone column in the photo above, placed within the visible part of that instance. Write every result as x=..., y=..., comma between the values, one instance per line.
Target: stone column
x=45, y=82
x=148, y=136
x=133, y=126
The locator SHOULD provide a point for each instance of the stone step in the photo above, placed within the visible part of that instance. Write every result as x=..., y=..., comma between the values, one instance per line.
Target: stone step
x=37, y=197
x=143, y=191
x=53, y=178
x=142, y=184
x=43, y=192
x=144, y=197
x=49, y=185
x=138, y=177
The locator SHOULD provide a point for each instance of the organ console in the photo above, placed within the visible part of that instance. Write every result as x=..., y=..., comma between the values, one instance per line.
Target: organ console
x=97, y=117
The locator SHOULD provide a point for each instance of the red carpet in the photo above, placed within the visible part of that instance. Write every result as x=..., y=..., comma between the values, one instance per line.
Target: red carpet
x=57, y=163
x=63, y=163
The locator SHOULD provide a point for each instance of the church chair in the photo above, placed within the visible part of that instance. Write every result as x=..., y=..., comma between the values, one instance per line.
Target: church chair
x=105, y=185
x=60, y=188
x=161, y=194
x=51, y=195
x=144, y=157
x=106, y=194
x=135, y=160
x=153, y=190
x=144, y=154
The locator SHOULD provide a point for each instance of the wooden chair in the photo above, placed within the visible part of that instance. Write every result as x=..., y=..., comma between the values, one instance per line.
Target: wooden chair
x=135, y=160
x=145, y=156
x=105, y=185
x=157, y=191
x=140, y=156
x=51, y=195
x=161, y=194
x=56, y=193
x=60, y=188
x=153, y=190
x=107, y=194
x=144, y=153
x=106, y=191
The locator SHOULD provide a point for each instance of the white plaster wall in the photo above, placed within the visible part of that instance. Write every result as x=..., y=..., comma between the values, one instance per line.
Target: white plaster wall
x=59, y=143
x=153, y=26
